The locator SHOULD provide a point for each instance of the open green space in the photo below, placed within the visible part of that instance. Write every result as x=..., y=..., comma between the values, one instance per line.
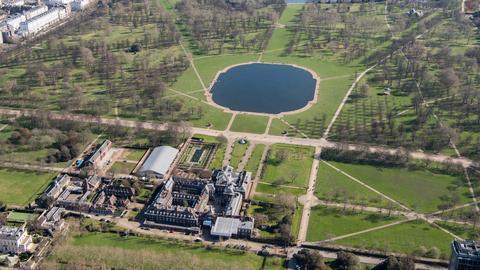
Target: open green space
x=332, y=185
x=405, y=185
x=122, y=167
x=403, y=238
x=326, y=223
x=254, y=160
x=249, y=123
x=114, y=251
x=21, y=187
x=135, y=154
x=238, y=153
x=288, y=165
x=21, y=217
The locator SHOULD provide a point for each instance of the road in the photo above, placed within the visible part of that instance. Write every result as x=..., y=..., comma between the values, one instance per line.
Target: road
x=309, y=197
x=230, y=135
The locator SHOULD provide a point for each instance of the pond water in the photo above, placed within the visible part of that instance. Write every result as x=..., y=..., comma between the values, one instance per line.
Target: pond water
x=264, y=88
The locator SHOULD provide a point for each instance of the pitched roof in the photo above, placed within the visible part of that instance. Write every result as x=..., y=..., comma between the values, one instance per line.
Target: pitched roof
x=160, y=160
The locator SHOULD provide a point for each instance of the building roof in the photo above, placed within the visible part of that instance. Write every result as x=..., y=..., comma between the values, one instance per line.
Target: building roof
x=469, y=248
x=160, y=160
x=225, y=227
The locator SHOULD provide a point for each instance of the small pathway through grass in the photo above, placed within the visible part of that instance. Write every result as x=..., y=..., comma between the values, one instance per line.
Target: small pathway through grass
x=259, y=171
x=246, y=157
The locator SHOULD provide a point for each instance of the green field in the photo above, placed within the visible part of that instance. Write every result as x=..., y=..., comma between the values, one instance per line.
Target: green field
x=334, y=186
x=288, y=165
x=21, y=187
x=406, y=186
x=253, y=162
x=249, y=123
x=237, y=154
x=113, y=251
x=327, y=223
x=404, y=238
x=122, y=167
x=135, y=154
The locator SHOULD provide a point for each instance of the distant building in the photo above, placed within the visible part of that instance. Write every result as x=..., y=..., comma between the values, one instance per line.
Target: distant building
x=14, y=21
x=96, y=158
x=35, y=11
x=158, y=162
x=43, y=21
x=57, y=186
x=465, y=255
x=226, y=227
x=14, y=239
x=52, y=219
x=78, y=5
x=178, y=205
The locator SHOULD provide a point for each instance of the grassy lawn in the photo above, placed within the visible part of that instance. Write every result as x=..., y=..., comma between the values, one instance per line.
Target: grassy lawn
x=406, y=186
x=135, y=154
x=22, y=187
x=254, y=161
x=249, y=123
x=123, y=167
x=327, y=223
x=130, y=252
x=404, y=238
x=238, y=153
x=288, y=165
x=272, y=189
x=334, y=186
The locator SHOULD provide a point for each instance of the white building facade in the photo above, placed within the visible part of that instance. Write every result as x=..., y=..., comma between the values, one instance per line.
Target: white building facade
x=14, y=239
x=41, y=22
x=29, y=14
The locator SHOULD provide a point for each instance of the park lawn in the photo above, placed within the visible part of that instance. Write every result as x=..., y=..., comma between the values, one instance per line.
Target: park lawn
x=212, y=117
x=249, y=123
x=254, y=160
x=165, y=251
x=334, y=186
x=423, y=191
x=208, y=67
x=238, y=153
x=188, y=81
x=460, y=230
x=294, y=170
x=273, y=189
x=279, y=128
x=135, y=154
x=21, y=187
x=122, y=167
x=404, y=238
x=329, y=222
x=21, y=217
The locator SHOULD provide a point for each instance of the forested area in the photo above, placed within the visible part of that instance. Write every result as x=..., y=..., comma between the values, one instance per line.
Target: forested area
x=123, y=54
x=222, y=26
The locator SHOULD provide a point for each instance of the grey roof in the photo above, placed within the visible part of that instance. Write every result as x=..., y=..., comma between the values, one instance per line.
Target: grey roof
x=160, y=160
x=225, y=227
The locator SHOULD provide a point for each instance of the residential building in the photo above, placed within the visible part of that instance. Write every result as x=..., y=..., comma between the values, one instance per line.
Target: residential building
x=14, y=239
x=52, y=219
x=78, y=5
x=74, y=198
x=43, y=21
x=179, y=205
x=14, y=21
x=57, y=186
x=35, y=11
x=159, y=162
x=97, y=156
x=465, y=255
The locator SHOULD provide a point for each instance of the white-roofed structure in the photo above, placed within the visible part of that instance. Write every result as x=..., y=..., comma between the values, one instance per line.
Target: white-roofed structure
x=158, y=162
x=226, y=227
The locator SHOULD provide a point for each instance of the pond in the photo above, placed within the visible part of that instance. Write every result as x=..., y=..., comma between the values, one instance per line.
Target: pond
x=264, y=88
